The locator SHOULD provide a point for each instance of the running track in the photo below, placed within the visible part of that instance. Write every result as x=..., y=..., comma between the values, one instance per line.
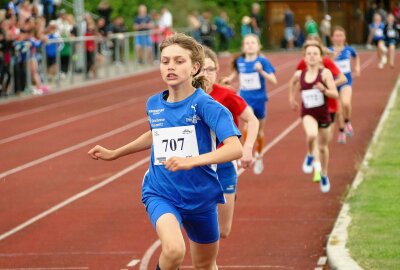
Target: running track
x=59, y=209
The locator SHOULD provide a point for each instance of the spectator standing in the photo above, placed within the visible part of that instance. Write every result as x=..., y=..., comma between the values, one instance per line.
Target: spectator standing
x=207, y=30
x=298, y=36
x=104, y=9
x=194, y=25
x=224, y=31
x=289, y=27
x=325, y=29
x=256, y=19
x=49, y=10
x=156, y=36
x=64, y=29
x=117, y=27
x=142, y=23
x=311, y=26
x=90, y=46
x=51, y=49
x=245, y=27
x=165, y=23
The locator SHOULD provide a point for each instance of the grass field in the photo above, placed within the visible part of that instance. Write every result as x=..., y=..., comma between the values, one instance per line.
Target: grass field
x=374, y=234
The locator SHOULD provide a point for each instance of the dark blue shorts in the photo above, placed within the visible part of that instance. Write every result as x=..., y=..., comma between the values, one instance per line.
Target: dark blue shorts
x=227, y=176
x=259, y=107
x=201, y=227
x=339, y=88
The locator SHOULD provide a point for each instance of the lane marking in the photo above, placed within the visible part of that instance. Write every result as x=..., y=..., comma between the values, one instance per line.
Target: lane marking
x=144, y=264
x=74, y=253
x=74, y=198
x=70, y=120
x=47, y=268
x=72, y=148
x=76, y=99
x=133, y=263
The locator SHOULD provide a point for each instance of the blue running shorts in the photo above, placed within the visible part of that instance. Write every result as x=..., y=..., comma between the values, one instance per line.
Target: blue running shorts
x=200, y=227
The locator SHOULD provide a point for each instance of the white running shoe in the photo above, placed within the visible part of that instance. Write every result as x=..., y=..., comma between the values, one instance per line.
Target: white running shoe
x=324, y=184
x=258, y=164
x=308, y=164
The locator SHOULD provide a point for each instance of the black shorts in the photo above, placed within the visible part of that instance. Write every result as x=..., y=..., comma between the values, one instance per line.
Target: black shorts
x=333, y=117
x=323, y=125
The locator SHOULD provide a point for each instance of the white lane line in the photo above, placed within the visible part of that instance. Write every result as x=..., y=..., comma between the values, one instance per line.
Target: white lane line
x=78, y=99
x=276, y=140
x=73, y=253
x=70, y=120
x=72, y=148
x=133, y=263
x=322, y=260
x=149, y=253
x=144, y=264
x=47, y=268
x=74, y=198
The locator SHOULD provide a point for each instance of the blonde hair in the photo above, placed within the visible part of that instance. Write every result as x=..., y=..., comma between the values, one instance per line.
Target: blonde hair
x=196, y=55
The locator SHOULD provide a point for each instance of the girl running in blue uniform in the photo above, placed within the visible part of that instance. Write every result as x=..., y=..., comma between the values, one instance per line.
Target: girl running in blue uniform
x=254, y=70
x=391, y=32
x=316, y=84
x=227, y=173
x=181, y=186
x=342, y=55
x=376, y=33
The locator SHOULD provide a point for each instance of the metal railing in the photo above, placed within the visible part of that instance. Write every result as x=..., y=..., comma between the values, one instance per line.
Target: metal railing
x=112, y=56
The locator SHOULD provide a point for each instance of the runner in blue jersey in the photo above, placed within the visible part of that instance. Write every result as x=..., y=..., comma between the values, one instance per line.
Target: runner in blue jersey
x=254, y=70
x=377, y=36
x=181, y=186
x=342, y=55
x=227, y=172
x=392, y=36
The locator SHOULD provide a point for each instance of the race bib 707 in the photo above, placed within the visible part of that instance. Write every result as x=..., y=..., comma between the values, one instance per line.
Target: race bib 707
x=174, y=142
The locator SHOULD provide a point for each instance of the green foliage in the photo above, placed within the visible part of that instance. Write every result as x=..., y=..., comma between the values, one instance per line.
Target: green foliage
x=235, y=9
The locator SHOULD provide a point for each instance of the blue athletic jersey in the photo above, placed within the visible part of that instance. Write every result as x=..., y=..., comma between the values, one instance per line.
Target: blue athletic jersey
x=379, y=33
x=252, y=83
x=197, y=189
x=343, y=61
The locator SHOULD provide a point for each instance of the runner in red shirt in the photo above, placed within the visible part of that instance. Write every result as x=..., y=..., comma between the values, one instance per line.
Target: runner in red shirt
x=227, y=174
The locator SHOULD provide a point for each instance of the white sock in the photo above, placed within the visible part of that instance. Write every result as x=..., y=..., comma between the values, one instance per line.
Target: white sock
x=317, y=166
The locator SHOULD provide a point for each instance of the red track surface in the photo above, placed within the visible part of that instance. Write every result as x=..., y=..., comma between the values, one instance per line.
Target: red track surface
x=281, y=222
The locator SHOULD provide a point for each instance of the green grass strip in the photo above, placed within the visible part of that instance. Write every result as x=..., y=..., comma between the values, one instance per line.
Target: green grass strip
x=374, y=233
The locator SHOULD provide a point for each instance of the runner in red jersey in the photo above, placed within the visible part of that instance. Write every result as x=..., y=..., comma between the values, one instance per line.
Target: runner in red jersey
x=227, y=174
x=316, y=84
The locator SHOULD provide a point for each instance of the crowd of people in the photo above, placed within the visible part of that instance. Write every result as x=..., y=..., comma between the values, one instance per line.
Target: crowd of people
x=36, y=42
